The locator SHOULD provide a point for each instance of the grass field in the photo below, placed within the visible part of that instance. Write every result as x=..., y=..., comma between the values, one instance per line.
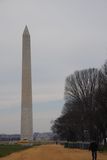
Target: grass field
x=6, y=149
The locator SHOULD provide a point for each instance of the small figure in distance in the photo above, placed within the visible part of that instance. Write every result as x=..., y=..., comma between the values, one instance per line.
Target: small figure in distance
x=93, y=148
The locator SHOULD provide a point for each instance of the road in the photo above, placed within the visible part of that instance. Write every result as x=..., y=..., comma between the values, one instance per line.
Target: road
x=53, y=152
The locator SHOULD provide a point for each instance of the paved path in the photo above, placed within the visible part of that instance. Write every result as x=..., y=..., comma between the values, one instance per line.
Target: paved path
x=53, y=152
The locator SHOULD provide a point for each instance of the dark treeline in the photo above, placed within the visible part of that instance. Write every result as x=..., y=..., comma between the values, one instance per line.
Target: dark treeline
x=84, y=115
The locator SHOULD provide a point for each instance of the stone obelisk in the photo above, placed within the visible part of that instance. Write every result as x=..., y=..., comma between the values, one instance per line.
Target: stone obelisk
x=26, y=97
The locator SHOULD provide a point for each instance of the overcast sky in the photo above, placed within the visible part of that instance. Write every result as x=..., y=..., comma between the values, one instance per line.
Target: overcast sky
x=66, y=35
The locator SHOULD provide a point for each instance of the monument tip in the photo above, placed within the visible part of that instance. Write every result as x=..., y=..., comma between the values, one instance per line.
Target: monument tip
x=26, y=31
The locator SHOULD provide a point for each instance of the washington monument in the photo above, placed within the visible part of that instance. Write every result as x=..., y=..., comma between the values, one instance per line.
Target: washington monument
x=26, y=96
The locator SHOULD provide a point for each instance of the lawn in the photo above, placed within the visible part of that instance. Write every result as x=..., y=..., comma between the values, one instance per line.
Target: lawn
x=6, y=149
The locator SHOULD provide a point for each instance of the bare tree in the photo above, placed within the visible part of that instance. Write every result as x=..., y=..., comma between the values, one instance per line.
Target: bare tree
x=81, y=88
x=101, y=102
x=85, y=107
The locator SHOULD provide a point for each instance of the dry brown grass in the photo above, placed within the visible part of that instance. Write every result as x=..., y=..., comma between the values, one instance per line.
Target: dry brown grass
x=53, y=152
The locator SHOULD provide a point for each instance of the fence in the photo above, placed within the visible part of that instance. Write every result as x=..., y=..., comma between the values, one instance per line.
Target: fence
x=80, y=145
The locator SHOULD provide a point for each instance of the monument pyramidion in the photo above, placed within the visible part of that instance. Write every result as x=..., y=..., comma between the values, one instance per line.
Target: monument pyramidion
x=26, y=93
